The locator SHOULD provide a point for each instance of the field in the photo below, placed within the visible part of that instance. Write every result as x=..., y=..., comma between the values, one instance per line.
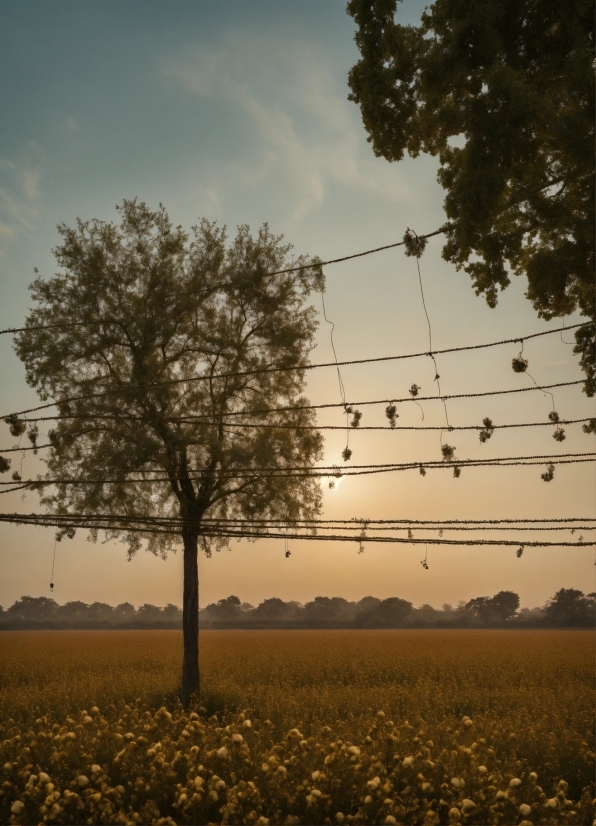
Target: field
x=417, y=727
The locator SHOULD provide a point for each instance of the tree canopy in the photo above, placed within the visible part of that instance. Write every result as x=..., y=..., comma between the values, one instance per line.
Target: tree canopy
x=171, y=332
x=502, y=92
x=499, y=608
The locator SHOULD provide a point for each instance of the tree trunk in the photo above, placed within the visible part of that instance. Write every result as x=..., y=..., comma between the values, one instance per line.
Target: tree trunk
x=190, y=619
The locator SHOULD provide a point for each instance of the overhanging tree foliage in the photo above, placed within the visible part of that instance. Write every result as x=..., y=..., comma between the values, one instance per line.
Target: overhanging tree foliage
x=173, y=307
x=513, y=82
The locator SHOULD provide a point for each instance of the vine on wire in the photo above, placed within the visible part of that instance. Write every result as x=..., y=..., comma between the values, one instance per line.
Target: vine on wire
x=559, y=434
x=487, y=431
x=448, y=452
x=348, y=409
x=520, y=365
x=392, y=414
x=362, y=537
x=550, y=473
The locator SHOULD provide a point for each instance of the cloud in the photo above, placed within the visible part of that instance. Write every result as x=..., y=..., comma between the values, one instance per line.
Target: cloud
x=302, y=135
x=20, y=193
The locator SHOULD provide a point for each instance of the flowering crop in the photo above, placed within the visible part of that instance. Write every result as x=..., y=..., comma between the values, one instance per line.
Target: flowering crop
x=356, y=727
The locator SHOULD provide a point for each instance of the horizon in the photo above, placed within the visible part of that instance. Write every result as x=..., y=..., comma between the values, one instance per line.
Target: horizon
x=245, y=605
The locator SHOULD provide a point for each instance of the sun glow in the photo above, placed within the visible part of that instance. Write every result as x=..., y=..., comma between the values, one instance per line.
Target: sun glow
x=334, y=482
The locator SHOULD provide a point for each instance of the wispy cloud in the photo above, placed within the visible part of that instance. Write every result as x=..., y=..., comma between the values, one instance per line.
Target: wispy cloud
x=299, y=141
x=20, y=193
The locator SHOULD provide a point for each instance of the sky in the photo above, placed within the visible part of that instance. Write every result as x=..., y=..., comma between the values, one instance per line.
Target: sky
x=238, y=112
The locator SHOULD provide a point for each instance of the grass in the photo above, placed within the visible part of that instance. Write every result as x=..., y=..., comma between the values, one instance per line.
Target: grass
x=520, y=705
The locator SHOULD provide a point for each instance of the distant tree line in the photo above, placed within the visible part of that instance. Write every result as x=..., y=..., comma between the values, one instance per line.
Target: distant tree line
x=568, y=608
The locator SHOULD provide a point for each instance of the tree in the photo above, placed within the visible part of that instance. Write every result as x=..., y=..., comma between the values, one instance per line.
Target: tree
x=35, y=609
x=505, y=605
x=74, y=612
x=275, y=610
x=569, y=607
x=390, y=613
x=174, y=329
x=124, y=612
x=327, y=611
x=500, y=608
x=226, y=611
x=502, y=91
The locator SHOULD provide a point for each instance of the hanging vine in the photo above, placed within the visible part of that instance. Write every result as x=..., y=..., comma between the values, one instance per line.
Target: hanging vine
x=348, y=409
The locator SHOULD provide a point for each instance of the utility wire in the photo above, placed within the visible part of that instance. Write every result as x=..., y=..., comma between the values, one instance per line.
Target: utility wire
x=325, y=471
x=265, y=411
x=33, y=485
x=19, y=519
x=292, y=369
x=248, y=425
x=315, y=263
x=431, y=524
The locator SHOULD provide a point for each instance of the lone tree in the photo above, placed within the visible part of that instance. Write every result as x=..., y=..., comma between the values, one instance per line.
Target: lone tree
x=161, y=314
x=502, y=91
x=500, y=608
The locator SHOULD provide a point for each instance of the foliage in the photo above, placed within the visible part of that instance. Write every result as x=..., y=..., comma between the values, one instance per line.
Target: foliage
x=414, y=245
x=322, y=612
x=502, y=91
x=487, y=431
x=519, y=364
x=499, y=608
x=549, y=475
x=390, y=613
x=448, y=452
x=160, y=308
x=470, y=729
x=392, y=414
x=570, y=607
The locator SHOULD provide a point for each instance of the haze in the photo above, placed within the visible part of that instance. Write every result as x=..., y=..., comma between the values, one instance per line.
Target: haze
x=238, y=112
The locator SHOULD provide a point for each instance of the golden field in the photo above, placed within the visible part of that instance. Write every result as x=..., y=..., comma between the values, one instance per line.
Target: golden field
x=412, y=726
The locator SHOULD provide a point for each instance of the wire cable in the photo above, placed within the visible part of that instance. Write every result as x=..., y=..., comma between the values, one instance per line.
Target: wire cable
x=341, y=427
x=265, y=411
x=315, y=263
x=555, y=523
x=19, y=519
x=335, y=364
x=325, y=471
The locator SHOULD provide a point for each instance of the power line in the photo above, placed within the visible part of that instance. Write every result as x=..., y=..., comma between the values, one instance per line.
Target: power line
x=386, y=429
x=297, y=368
x=314, y=263
x=346, y=525
x=265, y=411
x=562, y=522
x=324, y=471
x=48, y=522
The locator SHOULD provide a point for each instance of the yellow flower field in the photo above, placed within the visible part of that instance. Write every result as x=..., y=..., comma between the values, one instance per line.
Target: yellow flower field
x=299, y=727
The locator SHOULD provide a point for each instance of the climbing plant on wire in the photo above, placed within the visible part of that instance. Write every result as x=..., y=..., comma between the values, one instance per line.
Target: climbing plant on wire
x=349, y=410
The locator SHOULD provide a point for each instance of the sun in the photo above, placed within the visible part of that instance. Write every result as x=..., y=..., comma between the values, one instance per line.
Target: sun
x=334, y=482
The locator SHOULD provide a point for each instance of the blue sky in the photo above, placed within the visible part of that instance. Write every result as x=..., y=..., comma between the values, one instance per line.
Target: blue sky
x=238, y=112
